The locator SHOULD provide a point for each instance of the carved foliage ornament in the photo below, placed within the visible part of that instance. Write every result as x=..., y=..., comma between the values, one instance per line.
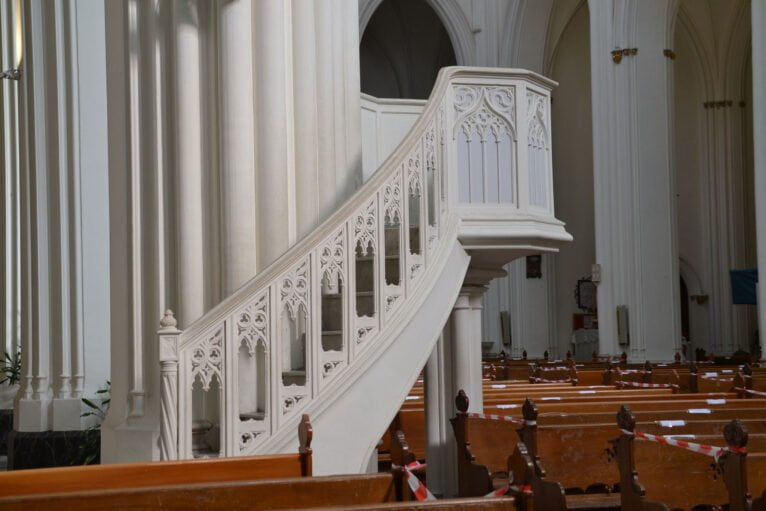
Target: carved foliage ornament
x=392, y=199
x=537, y=119
x=413, y=172
x=332, y=258
x=253, y=324
x=294, y=289
x=365, y=229
x=206, y=359
x=485, y=111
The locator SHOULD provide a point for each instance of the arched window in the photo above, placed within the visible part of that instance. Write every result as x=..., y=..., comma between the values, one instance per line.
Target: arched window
x=403, y=47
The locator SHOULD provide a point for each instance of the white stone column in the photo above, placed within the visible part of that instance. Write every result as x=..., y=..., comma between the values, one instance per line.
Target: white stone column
x=634, y=202
x=38, y=154
x=237, y=149
x=439, y=409
x=466, y=346
x=275, y=163
x=189, y=160
x=9, y=273
x=759, y=149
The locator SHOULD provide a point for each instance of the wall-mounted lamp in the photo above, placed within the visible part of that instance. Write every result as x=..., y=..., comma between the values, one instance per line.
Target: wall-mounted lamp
x=595, y=273
x=10, y=74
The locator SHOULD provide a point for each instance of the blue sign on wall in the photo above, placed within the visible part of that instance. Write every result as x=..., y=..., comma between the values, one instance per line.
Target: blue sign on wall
x=743, y=284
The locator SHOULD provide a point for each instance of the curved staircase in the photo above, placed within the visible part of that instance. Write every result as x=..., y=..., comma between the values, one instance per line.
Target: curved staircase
x=340, y=326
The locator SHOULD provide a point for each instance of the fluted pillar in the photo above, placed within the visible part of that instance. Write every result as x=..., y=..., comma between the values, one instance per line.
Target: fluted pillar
x=237, y=149
x=275, y=158
x=9, y=186
x=636, y=243
x=189, y=143
x=759, y=154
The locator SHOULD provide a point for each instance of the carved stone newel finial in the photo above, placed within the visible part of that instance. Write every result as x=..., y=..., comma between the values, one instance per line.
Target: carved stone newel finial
x=168, y=320
x=461, y=401
x=625, y=419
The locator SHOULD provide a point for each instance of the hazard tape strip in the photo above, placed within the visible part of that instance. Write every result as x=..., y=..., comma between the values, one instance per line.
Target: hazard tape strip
x=751, y=391
x=708, y=450
x=520, y=489
x=648, y=385
x=422, y=493
x=506, y=418
x=416, y=485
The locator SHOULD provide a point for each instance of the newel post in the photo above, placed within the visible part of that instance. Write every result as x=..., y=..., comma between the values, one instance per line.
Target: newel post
x=169, y=334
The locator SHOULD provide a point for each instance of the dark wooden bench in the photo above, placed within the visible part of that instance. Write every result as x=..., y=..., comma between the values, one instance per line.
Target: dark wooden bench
x=160, y=473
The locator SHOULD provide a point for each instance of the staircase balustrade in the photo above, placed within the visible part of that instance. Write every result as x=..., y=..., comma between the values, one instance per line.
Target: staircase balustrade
x=476, y=163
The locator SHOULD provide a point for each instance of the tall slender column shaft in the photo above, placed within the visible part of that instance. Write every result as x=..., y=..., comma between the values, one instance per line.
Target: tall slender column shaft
x=759, y=150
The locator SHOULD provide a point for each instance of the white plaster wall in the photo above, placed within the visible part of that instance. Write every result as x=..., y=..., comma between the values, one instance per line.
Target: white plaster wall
x=385, y=122
x=572, y=167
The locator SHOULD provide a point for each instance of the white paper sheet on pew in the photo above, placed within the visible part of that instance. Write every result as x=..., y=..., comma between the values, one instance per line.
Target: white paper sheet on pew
x=411, y=398
x=682, y=436
x=671, y=424
x=711, y=374
x=550, y=399
x=726, y=371
x=498, y=386
x=587, y=392
x=505, y=407
x=662, y=365
x=716, y=401
x=699, y=410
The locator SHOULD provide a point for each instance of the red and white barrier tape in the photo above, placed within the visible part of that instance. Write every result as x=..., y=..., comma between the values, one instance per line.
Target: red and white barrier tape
x=422, y=493
x=542, y=380
x=708, y=450
x=519, y=489
x=416, y=485
x=506, y=418
x=751, y=391
x=648, y=385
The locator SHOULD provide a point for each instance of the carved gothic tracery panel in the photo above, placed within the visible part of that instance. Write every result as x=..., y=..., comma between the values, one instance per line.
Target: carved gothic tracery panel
x=253, y=323
x=207, y=359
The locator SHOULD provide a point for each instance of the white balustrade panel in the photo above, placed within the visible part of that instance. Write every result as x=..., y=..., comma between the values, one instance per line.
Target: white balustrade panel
x=485, y=134
x=538, y=149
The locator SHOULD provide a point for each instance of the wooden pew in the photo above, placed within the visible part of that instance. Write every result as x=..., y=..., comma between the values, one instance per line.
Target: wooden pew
x=136, y=475
x=673, y=478
x=565, y=443
x=356, y=492
x=483, y=464
x=202, y=489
